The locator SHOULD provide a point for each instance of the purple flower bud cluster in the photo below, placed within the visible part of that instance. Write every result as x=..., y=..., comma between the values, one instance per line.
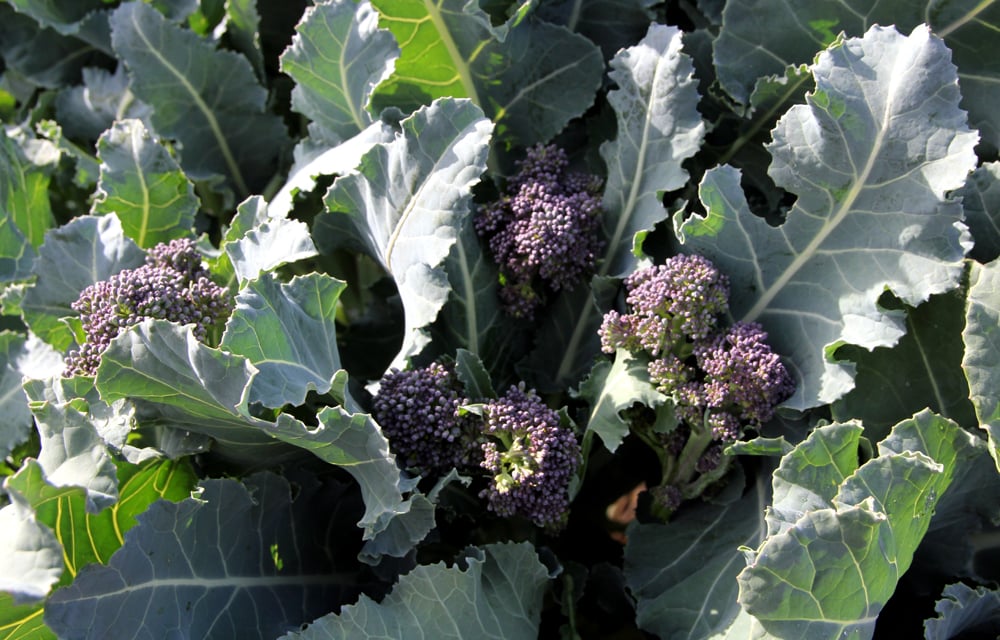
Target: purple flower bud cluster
x=418, y=411
x=720, y=380
x=531, y=458
x=670, y=303
x=172, y=285
x=544, y=230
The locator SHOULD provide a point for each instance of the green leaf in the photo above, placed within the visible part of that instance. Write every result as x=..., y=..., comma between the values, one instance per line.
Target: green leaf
x=179, y=382
x=982, y=348
x=88, y=537
x=965, y=612
x=67, y=17
x=829, y=572
x=258, y=243
x=814, y=282
x=808, y=478
x=336, y=58
x=190, y=386
x=87, y=110
x=406, y=202
x=33, y=560
x=613, y=387
x=746, y=48
x=981, y=201
x=41, y=55
x=288, y=332
x=659, y=127
x=142, y=183
x=205, y=98
x=15, y=418
x=472, y=319
x=245, y=560
x=325, y=161
x=22, y=622
x=683, y=573
x=243, y=29
x=494, y=592
x=86, y=250
x=611, y=24
x=474, y=377
x=529, y=77
x=931, y=355
x=24, y=196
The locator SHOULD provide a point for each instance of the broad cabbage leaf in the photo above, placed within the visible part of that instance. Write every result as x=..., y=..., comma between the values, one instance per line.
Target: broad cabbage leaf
x=877, y=145
x=142, y=183
x=493, y=592
x=982, y=348
x=405, y=203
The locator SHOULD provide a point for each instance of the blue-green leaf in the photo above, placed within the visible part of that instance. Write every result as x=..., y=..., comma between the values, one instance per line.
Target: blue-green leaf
x=86, y=250
x=963, y=610
x=981, y=201
x=827, y=572
x=746, y=48
x=528, y=76
x=877, y=146
x=406, y=202
x=24, y=197
x=613, y=387
x=240, y=560
x=494, y=592
x=257, y=242
x=205, y=98
x=337, y=58
x=288, y=332
x=982, y=347
x=142, y=183
x=33, y=559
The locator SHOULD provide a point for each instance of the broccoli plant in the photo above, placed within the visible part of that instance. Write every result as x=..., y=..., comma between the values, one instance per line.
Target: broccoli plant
x=172, y=285
x=719, y=381
x=543, y=231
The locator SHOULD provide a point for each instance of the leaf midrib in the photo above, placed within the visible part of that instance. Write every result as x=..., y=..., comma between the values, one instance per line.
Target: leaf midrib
x=209, y=115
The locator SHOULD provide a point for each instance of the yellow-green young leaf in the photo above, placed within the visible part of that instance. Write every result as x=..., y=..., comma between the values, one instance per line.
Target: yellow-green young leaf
x=529, y=77
x=24, y=196
x=143, y=184
x=828, y=570
x=22, y=621
x=86, y=537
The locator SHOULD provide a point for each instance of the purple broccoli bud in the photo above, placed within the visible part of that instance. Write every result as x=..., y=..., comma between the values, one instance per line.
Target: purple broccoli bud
x=743, y=375
x=418, y=411
x=172, y=285
x=673, y=302
x=531, y=457
x=543, y=231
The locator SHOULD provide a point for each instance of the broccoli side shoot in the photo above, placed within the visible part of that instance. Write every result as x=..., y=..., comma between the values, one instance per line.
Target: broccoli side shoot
x=531, y=456
x=172, y=285
x=544, y=230
x=721, y=381
x=418, y=411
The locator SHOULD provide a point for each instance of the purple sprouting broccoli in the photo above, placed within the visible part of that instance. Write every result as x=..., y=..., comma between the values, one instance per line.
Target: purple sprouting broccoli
x=720, y=380
x=172, y=285
x=418, y=411
x=531, y=458
x=544, y=231
x=671, y=304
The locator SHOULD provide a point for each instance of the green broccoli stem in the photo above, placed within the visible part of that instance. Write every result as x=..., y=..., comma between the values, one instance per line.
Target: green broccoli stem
x=699, y=440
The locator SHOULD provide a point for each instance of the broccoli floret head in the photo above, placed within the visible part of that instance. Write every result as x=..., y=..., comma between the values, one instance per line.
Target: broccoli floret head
x=530, y=457
x=418, y=411
x=720, y=380
x=172, y=285
x=743, y=376
x=544, y=230
x=680, y=300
